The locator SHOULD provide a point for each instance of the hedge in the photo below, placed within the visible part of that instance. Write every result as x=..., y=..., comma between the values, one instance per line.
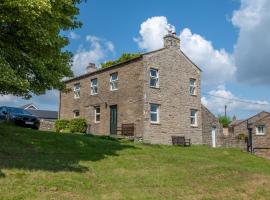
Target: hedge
x=61, y=124
x=78, y=125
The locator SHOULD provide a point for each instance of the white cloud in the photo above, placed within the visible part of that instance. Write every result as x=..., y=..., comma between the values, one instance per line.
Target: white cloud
x=218, y=98
x=151, y=33
x=217, y=65
x=73, y=35
x=253, y=45
x=97, y=51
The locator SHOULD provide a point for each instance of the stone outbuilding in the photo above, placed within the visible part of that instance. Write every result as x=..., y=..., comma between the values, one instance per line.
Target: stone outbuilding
x=260, y=134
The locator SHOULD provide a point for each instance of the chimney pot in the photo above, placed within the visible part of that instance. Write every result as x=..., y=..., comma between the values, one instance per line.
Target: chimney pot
x=171, y=40
x=91, y=68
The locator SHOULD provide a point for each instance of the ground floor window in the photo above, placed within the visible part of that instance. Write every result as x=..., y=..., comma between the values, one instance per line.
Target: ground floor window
x=260, y=130
x=193, y=117
x=154, y=113
x=97, y=114
x=76, y=113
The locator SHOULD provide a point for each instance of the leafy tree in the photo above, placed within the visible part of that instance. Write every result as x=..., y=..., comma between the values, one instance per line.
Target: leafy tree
x=225, y=121
x=124, y=57
x=32, y=59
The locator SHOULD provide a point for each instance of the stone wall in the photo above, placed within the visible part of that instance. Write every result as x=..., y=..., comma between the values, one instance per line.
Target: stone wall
x=175, y=71
x=46, y=125
x=209, y=121
x=231, y=141
x=261, y=141
x=128, y=98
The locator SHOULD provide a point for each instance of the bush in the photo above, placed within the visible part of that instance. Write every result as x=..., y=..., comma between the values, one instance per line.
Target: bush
x=78, y=125
x=242, y=136
x=225, y=121
x=61, y=124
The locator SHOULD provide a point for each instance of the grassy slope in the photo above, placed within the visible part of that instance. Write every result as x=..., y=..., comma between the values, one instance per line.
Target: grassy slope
x=46, y=165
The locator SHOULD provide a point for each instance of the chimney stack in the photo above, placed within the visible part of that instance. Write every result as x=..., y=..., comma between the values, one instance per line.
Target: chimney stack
x=171, y=40
x=91, y=68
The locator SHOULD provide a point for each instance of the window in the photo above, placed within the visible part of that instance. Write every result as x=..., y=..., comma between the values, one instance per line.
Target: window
x=76, y=113
x=94, y=86
x=76, y=90
x=192, y=86
x=260, y=130
x=114, y=81
x=193, y=117
x=154, y=113
x=154, y=78
x=97, y=114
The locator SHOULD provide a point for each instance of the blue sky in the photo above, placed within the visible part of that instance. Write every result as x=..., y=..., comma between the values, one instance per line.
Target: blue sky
x=219, y=36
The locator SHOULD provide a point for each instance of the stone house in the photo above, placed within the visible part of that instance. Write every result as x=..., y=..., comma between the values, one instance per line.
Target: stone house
x=260, y=125
x=158, y=91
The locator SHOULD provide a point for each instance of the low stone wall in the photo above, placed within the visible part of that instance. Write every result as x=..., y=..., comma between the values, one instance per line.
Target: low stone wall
x=262, y=152
x=46, y=125
x=233, y=142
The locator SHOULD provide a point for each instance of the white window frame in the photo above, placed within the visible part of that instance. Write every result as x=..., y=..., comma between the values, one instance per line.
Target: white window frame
x=193, y=87
x=258, y=131
x=97, y=114
x=156, y=112
x=94, y=88
x=154, y=77
x=113, y=83
x=77, y=90
x=74, y=113
x=195, y=117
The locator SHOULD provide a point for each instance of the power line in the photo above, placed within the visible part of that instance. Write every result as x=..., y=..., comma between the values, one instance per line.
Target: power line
x=239, y=100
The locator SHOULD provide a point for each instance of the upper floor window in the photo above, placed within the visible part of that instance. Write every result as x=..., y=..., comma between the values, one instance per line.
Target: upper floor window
x=192, y=86
x=94, y=86
x=154, y=113
x=77, y=88
x=76, y=113
x=260, y=130
x=193, y=117
x=114, y=81
x=97, y=114
x=154, y=79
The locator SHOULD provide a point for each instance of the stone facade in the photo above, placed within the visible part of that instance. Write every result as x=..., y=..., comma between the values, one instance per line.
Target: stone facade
x=128, y=98
x=134, y=96
x=258, y=141
x=210, y=123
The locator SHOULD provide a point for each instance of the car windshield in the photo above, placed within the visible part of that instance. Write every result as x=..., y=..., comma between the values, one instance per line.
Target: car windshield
x=19, y=111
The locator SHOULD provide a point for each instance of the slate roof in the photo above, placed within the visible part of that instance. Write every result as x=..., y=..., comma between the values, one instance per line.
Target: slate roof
x=28, y=105
x=44, y=114
x=123, y=63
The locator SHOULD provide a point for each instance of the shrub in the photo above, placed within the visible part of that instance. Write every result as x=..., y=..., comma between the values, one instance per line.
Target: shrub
x=78, y=125
x=225, y=121
x=242, y=136
x=61, y=124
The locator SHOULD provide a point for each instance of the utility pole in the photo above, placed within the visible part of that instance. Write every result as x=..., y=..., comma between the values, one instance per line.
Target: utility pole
x=225, y=110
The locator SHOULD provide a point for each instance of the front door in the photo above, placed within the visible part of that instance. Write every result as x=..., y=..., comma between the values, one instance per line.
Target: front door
x=213, y=136
x=113, y=120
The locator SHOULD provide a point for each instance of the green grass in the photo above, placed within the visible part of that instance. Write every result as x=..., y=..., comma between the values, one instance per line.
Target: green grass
x=47, y=165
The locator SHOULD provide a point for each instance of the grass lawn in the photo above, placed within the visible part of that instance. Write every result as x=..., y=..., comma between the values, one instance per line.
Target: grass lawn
x=47, y=165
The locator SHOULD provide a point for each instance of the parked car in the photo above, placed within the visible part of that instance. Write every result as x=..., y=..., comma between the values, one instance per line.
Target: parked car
x=19, y=116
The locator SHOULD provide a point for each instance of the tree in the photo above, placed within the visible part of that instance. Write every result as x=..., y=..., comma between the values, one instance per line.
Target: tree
x=32, y=59
x=225, y=121
x=124, y=57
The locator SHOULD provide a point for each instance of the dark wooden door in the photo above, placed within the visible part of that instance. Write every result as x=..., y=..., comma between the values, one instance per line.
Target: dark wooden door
x=113, y=119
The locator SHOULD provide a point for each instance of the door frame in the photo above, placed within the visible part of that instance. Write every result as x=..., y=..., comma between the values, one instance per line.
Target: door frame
x=113, y=132
x=214, y=136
